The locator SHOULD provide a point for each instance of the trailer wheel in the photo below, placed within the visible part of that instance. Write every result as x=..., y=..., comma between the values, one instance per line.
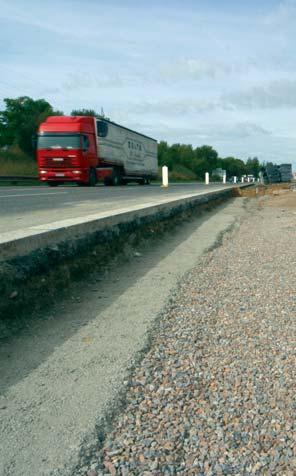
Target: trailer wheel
x=92, y=178
x=147, y=181
x=141, y=182
x=116, y=180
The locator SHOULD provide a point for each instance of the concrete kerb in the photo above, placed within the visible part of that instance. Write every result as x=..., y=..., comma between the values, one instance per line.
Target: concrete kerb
x=21, y=243
x=49, y=257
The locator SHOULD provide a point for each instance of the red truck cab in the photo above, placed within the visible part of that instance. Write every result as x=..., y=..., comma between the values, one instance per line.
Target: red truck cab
x=67, y=150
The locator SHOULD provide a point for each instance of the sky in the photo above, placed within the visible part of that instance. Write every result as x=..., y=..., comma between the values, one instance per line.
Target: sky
x=213, y=72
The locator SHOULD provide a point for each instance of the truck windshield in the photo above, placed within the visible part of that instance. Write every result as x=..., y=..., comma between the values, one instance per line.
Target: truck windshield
x=59, y=141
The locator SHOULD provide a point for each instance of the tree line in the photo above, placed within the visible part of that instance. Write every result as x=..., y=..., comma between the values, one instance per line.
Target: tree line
x=20, y=118
x=205, y=159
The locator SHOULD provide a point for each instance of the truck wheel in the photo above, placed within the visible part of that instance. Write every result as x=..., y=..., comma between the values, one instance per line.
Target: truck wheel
x=147, y=181
x=116, y=177
x=141, y=182
x=92, y=178
x=107, y=181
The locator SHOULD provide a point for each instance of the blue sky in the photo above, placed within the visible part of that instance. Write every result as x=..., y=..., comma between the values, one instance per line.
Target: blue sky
x=199, y=72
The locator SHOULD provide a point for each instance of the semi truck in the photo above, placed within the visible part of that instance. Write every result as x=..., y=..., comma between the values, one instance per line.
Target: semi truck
x=86, y=150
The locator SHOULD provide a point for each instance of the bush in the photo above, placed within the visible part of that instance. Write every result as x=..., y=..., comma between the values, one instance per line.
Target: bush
x=216, y=178
x=14, y=162
x=179, y=174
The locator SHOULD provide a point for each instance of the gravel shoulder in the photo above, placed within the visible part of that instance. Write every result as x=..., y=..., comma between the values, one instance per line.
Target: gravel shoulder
x=61, y=375
x=215, y=394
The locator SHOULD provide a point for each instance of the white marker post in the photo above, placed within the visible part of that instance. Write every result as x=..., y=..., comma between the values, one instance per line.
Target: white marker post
x=234, y=179
x=207, y=178
x=165, y=176
x=242, y=179
x=224, y=178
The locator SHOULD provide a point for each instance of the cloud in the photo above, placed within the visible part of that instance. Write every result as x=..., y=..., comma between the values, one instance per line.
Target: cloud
x=282, y=15
x=240, y=130
x=273, y=95
x=170, y=107
x=207, y=132
x=76, y=81
x=202, y=72
x=193, y=69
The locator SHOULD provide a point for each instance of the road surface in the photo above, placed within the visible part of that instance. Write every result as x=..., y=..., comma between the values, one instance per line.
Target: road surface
x=23, y=207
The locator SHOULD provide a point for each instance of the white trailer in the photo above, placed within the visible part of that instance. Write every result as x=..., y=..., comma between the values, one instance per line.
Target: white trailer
x=130, y=154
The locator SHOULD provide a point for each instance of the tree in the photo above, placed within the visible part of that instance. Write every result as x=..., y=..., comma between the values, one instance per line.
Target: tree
x=234, y=167
x=164, y=157
x=209, y=155
x=200, y=167
x=88, y=112
x=84, y=112
x=253, y=166
x=186, y=155
x=20, y=119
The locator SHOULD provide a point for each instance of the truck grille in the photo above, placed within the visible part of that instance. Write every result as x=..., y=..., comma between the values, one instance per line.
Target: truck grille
x=52, y=162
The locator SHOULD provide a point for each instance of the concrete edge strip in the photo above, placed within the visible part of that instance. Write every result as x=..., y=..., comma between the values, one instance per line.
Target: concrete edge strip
x=20, y=243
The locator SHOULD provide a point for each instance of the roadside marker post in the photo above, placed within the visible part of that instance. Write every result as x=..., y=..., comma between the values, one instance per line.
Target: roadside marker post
x=165, y=177
x=224, y=178
x=207, y=178
x=234, y=179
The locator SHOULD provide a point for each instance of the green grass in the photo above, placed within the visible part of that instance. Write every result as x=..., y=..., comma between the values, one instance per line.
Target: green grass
x=179, y=174
x=16, y=163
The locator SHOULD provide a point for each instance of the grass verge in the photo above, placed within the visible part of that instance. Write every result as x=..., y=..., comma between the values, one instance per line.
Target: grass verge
x=15, y=163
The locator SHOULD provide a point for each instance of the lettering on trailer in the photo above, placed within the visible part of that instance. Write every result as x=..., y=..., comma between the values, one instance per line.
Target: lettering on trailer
x=134, y=149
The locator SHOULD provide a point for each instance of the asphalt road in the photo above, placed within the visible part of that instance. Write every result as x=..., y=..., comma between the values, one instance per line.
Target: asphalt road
x=23, y=207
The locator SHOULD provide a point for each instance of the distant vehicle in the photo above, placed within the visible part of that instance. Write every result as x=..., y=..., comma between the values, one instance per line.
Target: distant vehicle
x=85, y=150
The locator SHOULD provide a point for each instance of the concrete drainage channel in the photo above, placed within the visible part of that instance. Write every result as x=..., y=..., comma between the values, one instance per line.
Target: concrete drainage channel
x=63, y=377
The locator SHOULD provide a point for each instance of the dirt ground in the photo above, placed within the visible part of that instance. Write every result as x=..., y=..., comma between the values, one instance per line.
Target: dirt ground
x=280, y=199
x=275, y=195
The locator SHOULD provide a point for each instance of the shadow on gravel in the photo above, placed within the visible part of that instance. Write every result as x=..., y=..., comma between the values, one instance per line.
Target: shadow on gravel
x=32, y=338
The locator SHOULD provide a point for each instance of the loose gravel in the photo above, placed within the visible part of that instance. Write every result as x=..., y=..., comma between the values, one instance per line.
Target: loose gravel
x=216, y=393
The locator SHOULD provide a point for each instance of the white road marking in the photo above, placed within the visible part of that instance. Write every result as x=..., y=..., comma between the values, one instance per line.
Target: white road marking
x=32, y=194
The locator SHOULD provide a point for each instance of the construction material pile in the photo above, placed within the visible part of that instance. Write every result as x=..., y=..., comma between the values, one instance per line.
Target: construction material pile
x=278, y=173
x=286, y=172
